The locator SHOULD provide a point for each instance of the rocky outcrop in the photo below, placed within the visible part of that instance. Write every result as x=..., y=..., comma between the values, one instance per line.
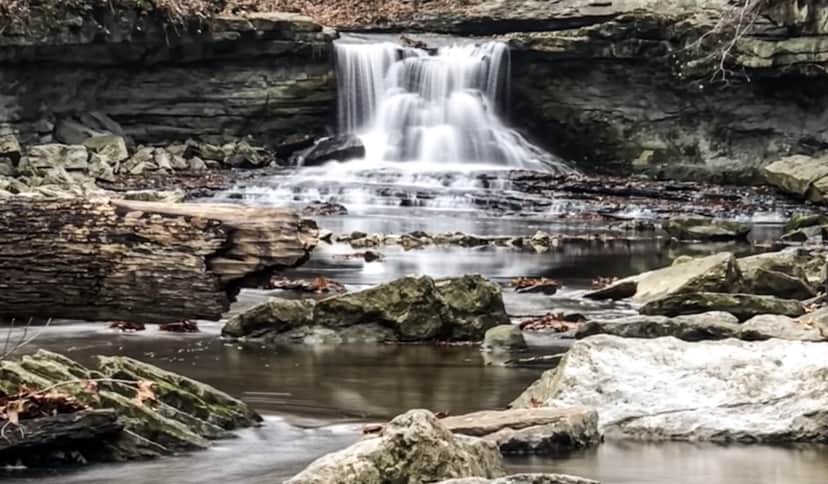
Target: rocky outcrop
x=743, y=306
x=531, y=431
x=407, y=309
x=413, y=448
x=657, y=389
x=705, y=228
x=128, y=410
x=265, y=75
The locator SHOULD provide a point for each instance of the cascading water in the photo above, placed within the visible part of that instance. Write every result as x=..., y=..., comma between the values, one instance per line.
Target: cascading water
x=436, y=110
x=431, y=123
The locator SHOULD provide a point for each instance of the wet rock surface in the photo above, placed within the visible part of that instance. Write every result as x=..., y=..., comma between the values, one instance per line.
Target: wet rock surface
x=410, y=308
x=743, y=306
x=531, y=431
x=667, y=389
x=129, y=410
x=703, y=228
x=414, y=447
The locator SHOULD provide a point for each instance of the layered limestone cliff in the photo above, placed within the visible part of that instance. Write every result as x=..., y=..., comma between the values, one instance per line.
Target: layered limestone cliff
x=265, y=75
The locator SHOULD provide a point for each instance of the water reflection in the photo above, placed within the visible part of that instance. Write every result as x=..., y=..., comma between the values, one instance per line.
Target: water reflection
x=687, y=463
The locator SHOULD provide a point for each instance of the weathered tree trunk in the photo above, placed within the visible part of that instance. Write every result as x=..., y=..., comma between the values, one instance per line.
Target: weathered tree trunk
x=139, y=261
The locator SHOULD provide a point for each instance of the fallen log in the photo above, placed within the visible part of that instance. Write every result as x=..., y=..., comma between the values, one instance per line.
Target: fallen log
x=139, y=261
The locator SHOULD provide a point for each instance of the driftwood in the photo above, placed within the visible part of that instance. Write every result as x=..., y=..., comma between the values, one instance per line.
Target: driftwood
x=58, y=430
x=139, y=261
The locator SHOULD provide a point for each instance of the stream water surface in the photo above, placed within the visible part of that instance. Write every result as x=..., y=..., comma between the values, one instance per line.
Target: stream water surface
x=422, y=116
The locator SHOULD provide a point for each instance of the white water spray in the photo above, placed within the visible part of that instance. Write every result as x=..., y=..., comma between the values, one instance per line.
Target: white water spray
x=435, y=110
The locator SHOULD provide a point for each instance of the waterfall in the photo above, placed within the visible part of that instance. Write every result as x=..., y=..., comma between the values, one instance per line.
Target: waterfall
x=434, y=108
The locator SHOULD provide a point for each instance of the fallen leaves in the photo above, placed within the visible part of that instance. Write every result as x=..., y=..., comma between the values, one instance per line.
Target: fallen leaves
x=318, y=285
x=29, y=404
x=555, y=322
x=127, y=326
x=541, y=285
x=143, y=393
x=602, y=282
x=185, y=326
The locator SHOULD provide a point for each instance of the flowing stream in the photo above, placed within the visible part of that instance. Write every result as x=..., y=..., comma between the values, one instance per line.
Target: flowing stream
x=437, y=145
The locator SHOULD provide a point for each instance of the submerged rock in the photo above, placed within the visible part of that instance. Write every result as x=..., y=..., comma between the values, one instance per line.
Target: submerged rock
x=705, y=228
x=743, y=306
x=158, y=412
x=504, y=337
x=531, y=431
x=667, y=389
x=413, y=448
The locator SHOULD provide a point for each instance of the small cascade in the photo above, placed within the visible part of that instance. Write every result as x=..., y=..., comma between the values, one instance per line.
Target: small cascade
x=432, y=108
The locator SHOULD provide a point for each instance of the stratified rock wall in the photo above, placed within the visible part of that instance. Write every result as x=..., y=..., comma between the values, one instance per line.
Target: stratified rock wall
x=269, y=76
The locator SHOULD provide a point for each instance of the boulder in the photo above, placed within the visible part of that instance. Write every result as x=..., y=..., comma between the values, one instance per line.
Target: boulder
x=10, y=148
x=767, y=326
x=705, y=228
x=276, y=315
x=717, y=272
x=802, y=220
x=532, y=430
x=780, y=274
x=45, y=157
x=420, y=308
x=159, y=412
x=814, y=234
x=743, y=306
x=100, y=169
x=413, y=448
x=504, y=337
x=72, y=132
x=475, y=304
x=795, y=174
x=667, y=389
x=341, y=147
x=818, y=192
x=110, y=148
x=698, y=327
x=524, y=479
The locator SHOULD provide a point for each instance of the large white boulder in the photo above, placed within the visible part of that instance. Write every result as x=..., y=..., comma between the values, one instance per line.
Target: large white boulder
x=730, y=390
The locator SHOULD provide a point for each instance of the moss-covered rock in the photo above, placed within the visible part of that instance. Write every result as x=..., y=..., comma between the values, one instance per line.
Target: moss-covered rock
x=743, y=306
x=504, y=337
x=275, y=315
x=158, y=412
